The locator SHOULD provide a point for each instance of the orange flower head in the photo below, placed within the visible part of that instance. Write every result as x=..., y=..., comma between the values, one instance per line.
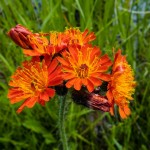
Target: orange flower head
x=121, y=86
x=61, y=40
x=78, y=37
x=38, y=45
x=58, y=42
x=33, y=82
x=19, y=35
x=84, y=66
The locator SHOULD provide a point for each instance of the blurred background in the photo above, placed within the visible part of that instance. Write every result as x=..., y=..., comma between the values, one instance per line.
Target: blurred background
x=117, y=24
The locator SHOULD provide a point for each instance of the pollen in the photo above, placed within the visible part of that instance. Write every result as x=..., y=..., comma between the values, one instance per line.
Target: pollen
x=124, y=83
x=54, y=38
x=82, y=71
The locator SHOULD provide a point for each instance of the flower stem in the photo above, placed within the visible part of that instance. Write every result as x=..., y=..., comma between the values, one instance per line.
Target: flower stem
x=61, y=121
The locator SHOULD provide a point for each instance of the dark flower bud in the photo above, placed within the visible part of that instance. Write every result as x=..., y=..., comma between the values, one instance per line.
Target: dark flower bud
x=91, y=100
x=61, y=89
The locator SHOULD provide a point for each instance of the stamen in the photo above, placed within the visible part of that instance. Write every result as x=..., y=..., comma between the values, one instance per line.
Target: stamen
x=83, y=71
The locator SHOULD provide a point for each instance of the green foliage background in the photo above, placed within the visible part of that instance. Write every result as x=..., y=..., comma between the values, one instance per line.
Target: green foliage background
x=121, y=24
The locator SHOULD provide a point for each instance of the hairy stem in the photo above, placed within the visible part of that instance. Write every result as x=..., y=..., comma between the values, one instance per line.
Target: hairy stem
x=61, y=121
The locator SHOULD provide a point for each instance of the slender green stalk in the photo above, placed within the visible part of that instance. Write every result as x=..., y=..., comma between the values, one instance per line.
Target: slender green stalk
x=61, y=121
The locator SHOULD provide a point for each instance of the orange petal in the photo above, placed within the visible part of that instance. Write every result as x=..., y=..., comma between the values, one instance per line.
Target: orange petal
x=95, y=81
x=14, y=93
x=52, y=66
x=103, y=59
x=44, y=96
x=105, y=77
x=108, y=63
x=30, y=102
x=68, y=76
x=70, y=83
x=78, y=84
x=56, y=81
x=50, y=92
x=62, y=61
x=41, y=102
x=89, y=37
x=127, y=110
x=118, y=55
x=90, y=86
x=95, y=52
x=73, y=51
x=84, y=81
x=17, y=96
x=30, y=52
x=55, y=73
x=122, y=113
x=110, y=97
x=85, y=32
x=112, y=110
x=68, y=68
x=103, y=68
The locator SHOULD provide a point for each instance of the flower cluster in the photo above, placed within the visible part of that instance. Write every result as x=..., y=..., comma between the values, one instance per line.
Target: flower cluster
x=68, y=60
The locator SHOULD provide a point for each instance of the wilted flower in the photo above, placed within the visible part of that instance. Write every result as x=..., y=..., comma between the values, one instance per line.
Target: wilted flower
x=121, y=86
x=19, y=35
x=33, y=82
x=84, y=66
x=34, y=44
x=91, y=100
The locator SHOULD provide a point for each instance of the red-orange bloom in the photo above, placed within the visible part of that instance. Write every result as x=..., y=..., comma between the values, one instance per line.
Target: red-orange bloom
x=121, y=87
x=84, y=66
x=73, y=36
x=34, y=44
x=38, y=45
x=58, y=42
x=33, y=82
x=79, y=38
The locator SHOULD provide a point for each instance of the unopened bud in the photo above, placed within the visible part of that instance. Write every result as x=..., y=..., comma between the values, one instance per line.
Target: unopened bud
x=19, y=35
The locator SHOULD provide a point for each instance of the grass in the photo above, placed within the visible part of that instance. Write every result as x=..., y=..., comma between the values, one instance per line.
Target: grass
x=117, y=24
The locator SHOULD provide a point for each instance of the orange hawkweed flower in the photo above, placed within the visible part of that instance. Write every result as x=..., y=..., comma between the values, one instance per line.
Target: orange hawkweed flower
x=121, y=86
x=38, y=45
x=78, y=37
x=58, y=42
x=33, y=82
x=84, y=66
x=73, y=36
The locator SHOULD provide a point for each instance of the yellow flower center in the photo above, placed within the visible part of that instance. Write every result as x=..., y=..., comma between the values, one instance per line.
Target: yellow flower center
x=38, y=43
x=54, y=38
x=75, y=36
x=83, y=71
x=84, y=67
x=32, y=79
